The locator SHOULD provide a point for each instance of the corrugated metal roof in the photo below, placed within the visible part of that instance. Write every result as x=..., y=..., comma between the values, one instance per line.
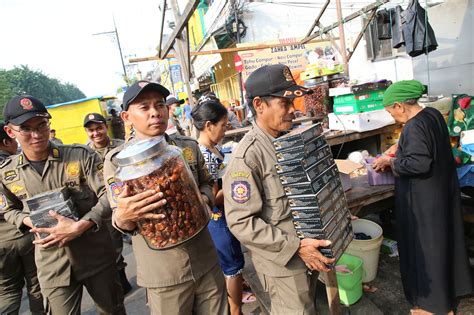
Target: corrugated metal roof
x=100, y=98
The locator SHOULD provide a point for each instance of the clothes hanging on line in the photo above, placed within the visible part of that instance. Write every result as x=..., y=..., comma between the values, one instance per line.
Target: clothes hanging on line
x=417, y=32
x=408, y=27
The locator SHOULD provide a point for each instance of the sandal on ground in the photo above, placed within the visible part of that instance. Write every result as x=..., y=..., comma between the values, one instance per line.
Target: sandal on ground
x=248, y=297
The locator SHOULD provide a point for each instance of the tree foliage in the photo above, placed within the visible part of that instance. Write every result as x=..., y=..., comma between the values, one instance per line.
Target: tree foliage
x=23, y=80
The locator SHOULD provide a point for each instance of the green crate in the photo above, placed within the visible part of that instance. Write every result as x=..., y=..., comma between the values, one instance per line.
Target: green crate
x=364, y=97
x=351, y=104
x=357, y=108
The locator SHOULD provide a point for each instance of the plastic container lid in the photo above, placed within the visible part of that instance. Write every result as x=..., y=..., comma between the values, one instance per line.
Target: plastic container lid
x=141, y=150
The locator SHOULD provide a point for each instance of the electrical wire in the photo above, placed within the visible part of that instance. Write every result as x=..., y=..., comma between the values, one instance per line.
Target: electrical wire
x=345, y=135
x=426, y=46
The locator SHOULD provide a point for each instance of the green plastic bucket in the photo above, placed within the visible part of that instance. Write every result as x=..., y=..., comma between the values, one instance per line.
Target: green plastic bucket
x=350, y=285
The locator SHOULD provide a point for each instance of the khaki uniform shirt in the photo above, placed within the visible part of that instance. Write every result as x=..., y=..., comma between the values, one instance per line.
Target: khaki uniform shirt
x=256, y=207
x=113, y=143
x=80, y=169
x=188, y=261
x=8, y=231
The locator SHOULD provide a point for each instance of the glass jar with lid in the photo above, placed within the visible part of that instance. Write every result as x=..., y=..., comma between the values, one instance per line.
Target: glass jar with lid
x=153, y=164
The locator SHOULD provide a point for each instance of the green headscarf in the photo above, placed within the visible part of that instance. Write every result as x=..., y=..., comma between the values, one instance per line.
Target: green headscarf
x=402, y=91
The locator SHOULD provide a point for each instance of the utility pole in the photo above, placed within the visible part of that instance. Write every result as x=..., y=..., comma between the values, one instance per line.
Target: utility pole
x=115, y=32
x=181, y=47
x=236, y=17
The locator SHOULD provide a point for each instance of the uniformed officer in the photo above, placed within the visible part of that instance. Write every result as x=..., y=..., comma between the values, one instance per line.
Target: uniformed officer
x=256, y=206
x=75, y=253
x=95, y=126
x=17, y=256
x=174, y=126
x=185, y=279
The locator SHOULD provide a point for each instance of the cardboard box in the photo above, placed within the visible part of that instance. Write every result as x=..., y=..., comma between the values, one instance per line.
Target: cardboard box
x=360, y=122
x=340, y=91
x=346, y=167
x=371, y=86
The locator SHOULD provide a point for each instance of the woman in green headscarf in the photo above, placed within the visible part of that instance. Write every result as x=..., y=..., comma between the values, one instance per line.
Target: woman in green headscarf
x=433, y=260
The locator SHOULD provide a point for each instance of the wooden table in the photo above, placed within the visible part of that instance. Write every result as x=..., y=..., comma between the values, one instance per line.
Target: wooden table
x=363, y=195
x=332, y=137
x=338, y=137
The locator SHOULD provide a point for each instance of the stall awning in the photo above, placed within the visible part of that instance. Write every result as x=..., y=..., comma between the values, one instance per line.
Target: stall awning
x=202, y=64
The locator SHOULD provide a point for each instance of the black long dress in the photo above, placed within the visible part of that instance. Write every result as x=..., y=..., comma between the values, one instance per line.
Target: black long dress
x=433, y=258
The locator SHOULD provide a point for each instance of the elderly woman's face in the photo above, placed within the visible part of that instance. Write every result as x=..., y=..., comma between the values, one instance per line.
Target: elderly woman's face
x=398, y=112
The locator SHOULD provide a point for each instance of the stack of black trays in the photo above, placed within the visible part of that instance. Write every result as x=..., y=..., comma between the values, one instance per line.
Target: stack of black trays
x=57, y=200
x=311, y=181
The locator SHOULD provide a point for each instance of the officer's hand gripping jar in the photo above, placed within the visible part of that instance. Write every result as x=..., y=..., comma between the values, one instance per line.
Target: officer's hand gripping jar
x=152, y=164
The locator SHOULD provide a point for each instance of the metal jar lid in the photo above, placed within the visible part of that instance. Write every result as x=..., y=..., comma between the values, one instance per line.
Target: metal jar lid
x=141, y=150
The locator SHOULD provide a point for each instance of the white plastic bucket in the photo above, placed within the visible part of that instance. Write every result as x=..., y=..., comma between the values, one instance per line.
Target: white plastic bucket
x=367, y=250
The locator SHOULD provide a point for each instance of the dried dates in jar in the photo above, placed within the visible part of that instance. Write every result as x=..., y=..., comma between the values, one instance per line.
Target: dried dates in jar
x=184, y=212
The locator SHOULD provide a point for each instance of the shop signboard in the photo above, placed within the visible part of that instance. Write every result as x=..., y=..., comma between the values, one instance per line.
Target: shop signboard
x=295, y=56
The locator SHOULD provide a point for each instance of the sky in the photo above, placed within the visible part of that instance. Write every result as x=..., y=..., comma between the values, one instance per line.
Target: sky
x=56, y=38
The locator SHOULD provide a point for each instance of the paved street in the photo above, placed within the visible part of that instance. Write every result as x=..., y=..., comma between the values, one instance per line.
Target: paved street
x=135, y=301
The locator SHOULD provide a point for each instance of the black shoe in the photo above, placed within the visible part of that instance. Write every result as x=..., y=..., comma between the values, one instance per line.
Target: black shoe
x=126, y=286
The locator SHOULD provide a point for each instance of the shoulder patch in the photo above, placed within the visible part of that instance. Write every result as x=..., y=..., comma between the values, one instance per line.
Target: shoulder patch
x=3, y=202
x=240, y=191
x=189, y=155
x=115, y=188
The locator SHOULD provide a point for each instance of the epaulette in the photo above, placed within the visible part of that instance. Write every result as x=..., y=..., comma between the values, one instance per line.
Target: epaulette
x=5, y=162
x=183, y=138
x=243, y=146
x=82, y=146
x=110, y=156
x=117, y=142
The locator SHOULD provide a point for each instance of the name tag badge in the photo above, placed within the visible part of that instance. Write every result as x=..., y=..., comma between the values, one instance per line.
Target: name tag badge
x=11, y=176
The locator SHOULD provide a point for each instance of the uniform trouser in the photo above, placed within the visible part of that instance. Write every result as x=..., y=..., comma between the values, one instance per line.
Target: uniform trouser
x=104, y=288
x=117, y=241
x=291, y=295
x=207, y=295
x=17, y=265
